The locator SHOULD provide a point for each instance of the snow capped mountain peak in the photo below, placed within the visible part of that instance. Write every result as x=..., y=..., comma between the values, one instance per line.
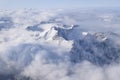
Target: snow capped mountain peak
x=84, y=33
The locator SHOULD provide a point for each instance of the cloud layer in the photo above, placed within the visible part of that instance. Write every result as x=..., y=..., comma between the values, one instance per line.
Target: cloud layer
x=32, y=48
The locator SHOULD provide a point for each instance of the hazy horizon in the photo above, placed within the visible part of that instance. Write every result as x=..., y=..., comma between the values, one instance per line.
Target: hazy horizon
x=55, y=4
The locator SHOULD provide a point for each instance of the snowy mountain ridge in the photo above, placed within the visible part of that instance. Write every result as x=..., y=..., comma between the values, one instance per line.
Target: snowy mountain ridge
x=96, y=47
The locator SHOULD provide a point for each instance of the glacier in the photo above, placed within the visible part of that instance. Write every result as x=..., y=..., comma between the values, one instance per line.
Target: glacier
x=59, y=44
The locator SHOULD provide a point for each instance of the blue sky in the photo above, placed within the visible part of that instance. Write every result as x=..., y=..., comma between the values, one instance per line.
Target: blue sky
x=53, y=4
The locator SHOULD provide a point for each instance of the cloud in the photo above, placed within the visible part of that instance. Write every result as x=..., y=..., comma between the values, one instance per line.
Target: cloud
x=32, y=54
